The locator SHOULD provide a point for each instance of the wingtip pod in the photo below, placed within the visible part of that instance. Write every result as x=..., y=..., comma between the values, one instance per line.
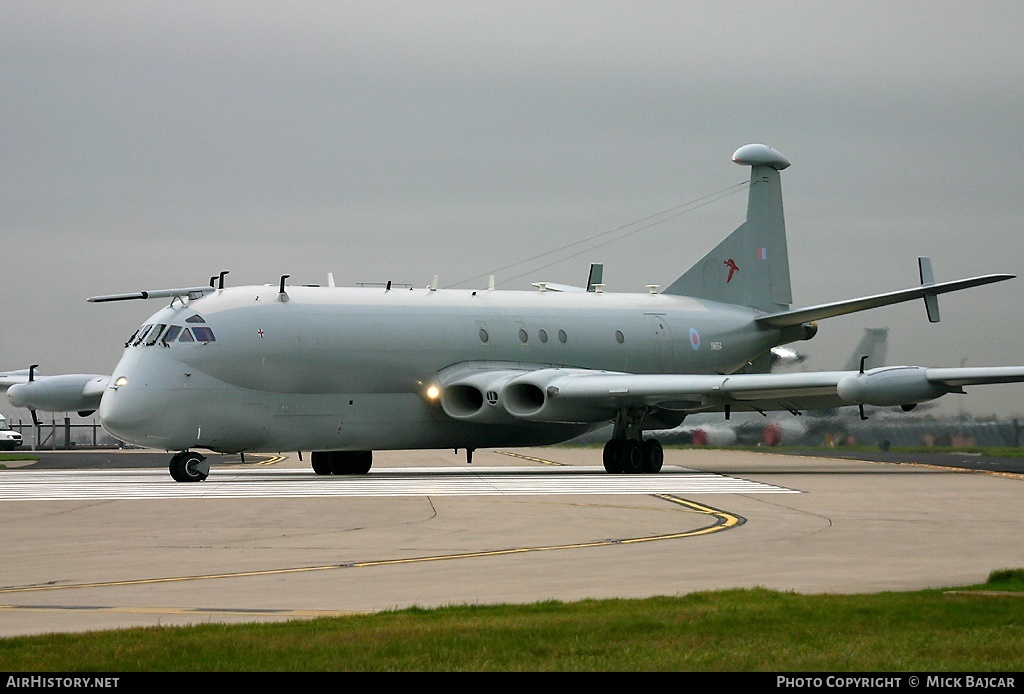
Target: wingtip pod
x=888, y=386
x=760, y=155
x=61, y=393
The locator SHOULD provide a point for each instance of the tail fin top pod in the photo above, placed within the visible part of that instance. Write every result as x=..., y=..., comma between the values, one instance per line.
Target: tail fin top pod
x=750, y=267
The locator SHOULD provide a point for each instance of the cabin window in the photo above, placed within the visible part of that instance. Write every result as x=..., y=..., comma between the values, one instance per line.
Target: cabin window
x=543, y=335
x=203, y=334
x=562, y=337
x=619, y=337
x=523, y=337
x=483, y=336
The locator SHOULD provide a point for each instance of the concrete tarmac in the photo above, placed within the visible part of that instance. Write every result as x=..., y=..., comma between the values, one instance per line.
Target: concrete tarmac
x=108, y=542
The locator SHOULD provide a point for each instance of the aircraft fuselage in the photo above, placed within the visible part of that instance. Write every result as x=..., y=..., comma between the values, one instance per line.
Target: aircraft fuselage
x=325, y=368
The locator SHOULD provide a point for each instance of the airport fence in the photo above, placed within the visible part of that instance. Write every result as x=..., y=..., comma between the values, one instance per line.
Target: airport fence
x=61, y=434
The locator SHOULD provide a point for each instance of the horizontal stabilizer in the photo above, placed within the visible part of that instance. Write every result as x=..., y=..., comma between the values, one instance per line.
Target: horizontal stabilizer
x=785, y=319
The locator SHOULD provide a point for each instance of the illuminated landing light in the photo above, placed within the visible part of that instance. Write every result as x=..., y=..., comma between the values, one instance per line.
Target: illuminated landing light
x=433, y=392
x=121, y=381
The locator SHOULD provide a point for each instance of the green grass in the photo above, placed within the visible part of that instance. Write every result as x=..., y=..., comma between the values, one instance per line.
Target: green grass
x=18, y=456
x=976, y=628
x=993, y=451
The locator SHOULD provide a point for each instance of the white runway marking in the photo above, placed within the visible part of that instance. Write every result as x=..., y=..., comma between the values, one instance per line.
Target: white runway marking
x=58, y=485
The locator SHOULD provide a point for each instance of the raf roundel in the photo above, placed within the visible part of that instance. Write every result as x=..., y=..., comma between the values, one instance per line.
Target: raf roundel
x=694, y=338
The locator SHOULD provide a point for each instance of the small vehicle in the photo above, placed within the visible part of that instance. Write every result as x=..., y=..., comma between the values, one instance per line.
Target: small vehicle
x=9, y=438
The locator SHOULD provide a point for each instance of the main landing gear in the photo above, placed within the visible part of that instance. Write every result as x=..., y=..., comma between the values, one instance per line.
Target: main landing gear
x=342, y=462
x=189, y=466
x=628, y=452
x=633, y=457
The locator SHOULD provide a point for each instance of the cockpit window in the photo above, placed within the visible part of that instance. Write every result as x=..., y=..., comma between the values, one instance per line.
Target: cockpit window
x=154, y=334
x=141, y=334
x=170, y=335
x=203, y=334
x=163, y=334
x=195, y=318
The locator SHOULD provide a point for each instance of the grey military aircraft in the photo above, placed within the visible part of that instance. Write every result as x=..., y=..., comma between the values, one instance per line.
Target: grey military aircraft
x=342, y=372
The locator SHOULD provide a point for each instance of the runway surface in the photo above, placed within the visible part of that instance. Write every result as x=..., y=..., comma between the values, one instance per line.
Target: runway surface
x=102, y=540
x=450, y=481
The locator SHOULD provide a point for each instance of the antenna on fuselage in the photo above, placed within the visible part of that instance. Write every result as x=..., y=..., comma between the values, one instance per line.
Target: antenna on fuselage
x=217, y=281
x=281, y=293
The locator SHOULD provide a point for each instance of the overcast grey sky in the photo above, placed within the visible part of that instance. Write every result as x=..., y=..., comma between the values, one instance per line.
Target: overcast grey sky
x=154, y=144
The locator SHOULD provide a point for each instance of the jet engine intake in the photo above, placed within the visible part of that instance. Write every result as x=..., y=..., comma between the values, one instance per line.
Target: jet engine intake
x=477, y=396
x=546, y=395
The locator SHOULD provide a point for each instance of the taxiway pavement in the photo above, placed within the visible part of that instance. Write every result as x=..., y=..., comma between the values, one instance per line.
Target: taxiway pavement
x=107, y=542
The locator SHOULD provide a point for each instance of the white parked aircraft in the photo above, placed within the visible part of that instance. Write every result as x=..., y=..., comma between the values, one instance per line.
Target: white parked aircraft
x=344, y=371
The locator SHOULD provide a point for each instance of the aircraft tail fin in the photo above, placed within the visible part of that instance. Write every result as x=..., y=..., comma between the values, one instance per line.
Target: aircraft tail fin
x=874, y=345
x=750, y=267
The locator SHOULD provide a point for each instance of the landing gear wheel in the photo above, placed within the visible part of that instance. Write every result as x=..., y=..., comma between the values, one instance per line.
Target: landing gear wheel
x=362, y=461
x=189, y=466
x=321, y=462
x=342, y=462
x=351, y=462
x=653, y=456
x=628, y=457
x=611, y=461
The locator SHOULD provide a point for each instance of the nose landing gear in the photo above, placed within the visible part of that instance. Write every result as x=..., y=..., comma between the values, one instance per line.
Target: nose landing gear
x=189, y=466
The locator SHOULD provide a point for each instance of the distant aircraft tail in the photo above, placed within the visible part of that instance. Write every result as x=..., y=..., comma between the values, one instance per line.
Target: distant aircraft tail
x=750, y=267
x=873, y=345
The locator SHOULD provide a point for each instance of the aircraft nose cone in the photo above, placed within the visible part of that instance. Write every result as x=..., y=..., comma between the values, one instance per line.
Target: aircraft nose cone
x=123, y=415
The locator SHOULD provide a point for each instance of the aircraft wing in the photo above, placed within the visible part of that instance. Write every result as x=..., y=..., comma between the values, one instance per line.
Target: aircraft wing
x=10, y=378
x=579, y=395
x=62, y=393
x=981, y=375
x=568, y=395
